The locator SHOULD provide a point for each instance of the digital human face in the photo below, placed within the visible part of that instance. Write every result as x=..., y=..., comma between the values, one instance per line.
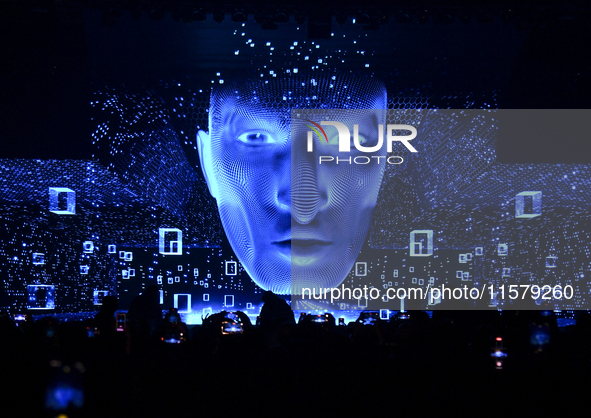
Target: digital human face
x=288, y=219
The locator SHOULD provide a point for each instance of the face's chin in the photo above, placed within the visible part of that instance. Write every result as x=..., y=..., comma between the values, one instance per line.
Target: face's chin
x=311, y=258
x=260, y=240
x=325, y=262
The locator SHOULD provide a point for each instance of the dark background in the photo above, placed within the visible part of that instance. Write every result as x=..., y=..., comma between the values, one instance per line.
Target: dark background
x=53, y=51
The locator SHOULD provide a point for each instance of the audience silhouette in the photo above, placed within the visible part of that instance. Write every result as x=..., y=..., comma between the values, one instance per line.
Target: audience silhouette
x=412, y=364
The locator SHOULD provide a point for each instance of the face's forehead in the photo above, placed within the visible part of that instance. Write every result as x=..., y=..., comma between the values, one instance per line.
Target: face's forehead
x=280, y=95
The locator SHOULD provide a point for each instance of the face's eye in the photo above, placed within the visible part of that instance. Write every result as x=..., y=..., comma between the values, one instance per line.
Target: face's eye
x=334, y=140
x=256, y=138
x=362, y=139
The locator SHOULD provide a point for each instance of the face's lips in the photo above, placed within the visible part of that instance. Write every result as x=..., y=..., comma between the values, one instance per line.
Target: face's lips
x=309, y=242
x=286, y=244
x=301, y=242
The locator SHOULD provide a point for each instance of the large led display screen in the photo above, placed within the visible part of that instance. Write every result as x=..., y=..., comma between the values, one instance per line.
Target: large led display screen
x=347, y=165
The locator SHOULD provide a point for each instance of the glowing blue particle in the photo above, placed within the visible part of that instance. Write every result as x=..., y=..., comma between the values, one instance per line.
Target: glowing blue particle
x=170, y=241
x=98, y=296
x=361, y=268
x=528, y=204
x=40, y=296
x=421, y=243
x=503, y=250
x=182, y=302
x=54, y=201
x=231, y=268
x=87, y=247
x=38, y=259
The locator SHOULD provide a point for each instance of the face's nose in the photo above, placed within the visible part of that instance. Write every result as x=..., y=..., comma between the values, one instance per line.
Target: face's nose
x=307, y=195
